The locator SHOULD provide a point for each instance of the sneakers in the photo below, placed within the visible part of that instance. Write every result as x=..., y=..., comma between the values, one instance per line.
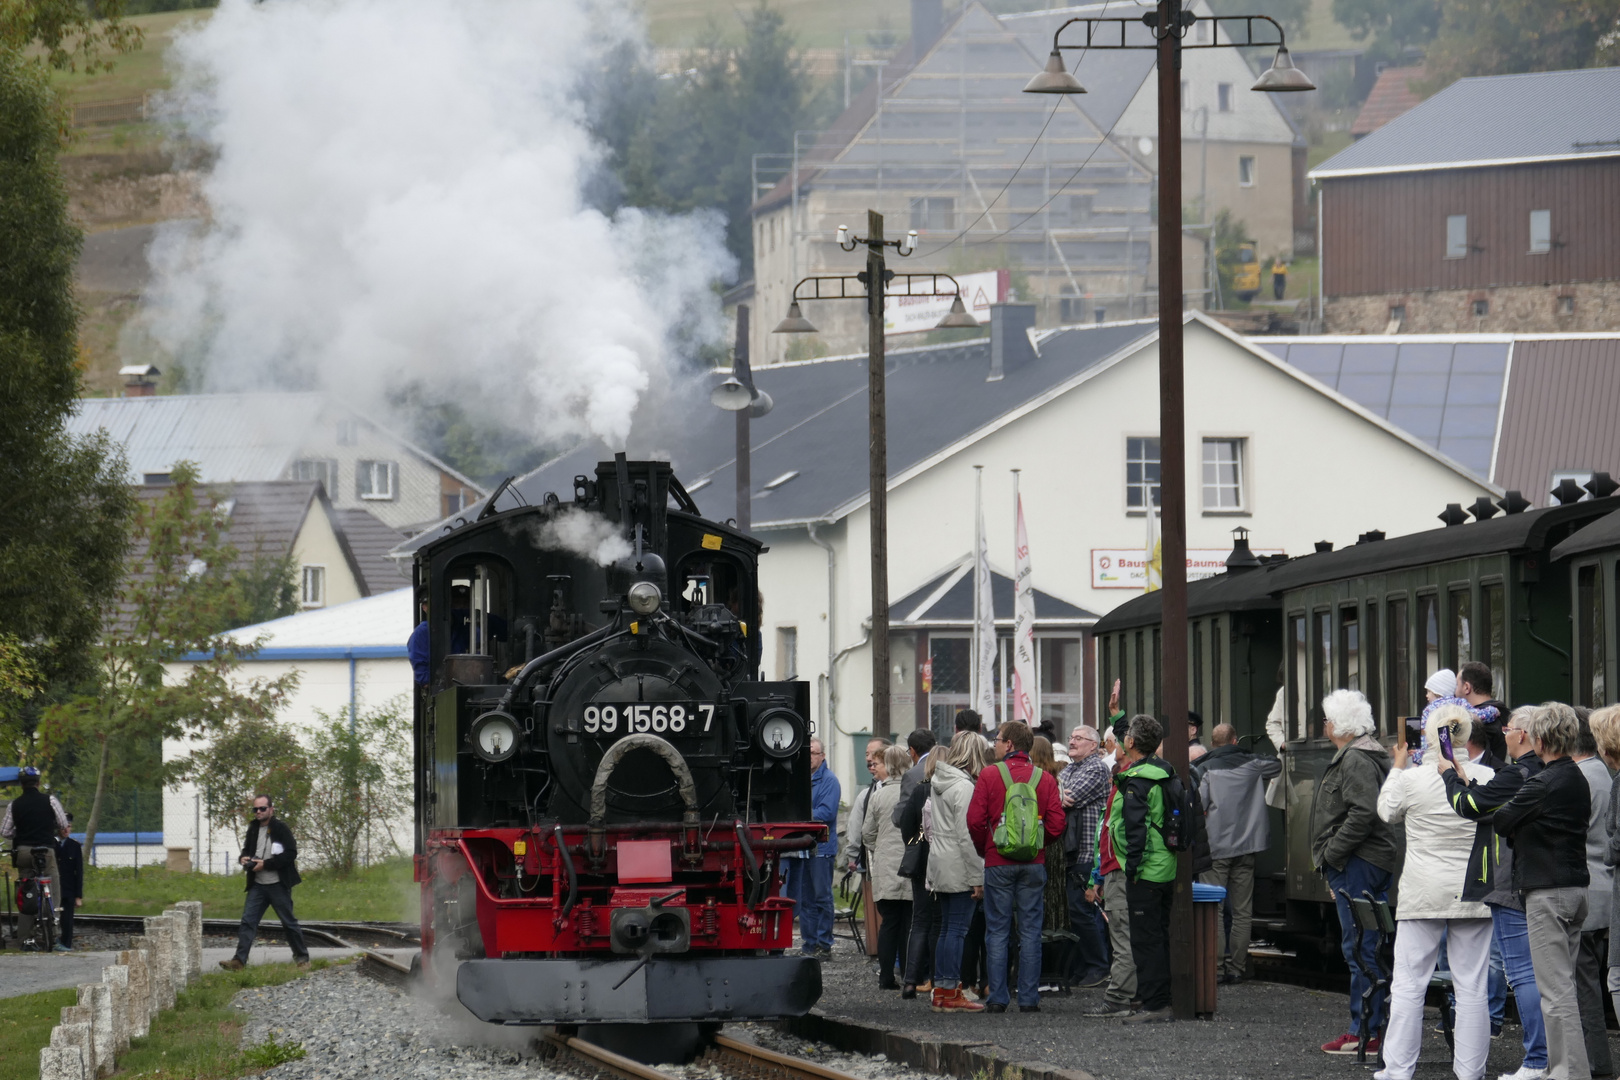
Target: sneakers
x=1110, y=1010
x=1029, y=1008
x=954, y=1000
x=1347, y=1043
x=995, y=1007
x=1152, y=1016
x=1525, y=1072
x=59, y=947
x=233, y=964
x=1092, y=982
x=302, y=965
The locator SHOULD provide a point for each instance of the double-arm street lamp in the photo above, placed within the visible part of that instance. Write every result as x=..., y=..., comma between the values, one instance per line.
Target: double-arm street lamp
x=1169, y=25
x=875, y=282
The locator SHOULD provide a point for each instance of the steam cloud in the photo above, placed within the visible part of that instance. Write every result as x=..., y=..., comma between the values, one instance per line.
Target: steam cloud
x=396, y=198
x=580, y=532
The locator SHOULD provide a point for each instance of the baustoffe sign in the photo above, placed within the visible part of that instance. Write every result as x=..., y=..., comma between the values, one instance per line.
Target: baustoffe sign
x=1125, y=568
x=914, y=314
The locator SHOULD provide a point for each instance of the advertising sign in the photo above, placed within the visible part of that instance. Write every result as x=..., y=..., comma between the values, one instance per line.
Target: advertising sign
x=1124, y=568
x=916, y=314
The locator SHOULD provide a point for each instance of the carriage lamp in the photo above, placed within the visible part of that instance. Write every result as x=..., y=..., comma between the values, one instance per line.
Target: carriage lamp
x=778, y=734
x=644, y=598
x=494, y=736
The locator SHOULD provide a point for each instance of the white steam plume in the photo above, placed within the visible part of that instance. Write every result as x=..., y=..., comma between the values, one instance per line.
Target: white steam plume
x=579, y=532
x=396, y=198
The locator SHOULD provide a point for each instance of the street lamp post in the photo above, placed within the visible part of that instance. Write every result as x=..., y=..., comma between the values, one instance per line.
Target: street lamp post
x=875, y=280
x=1169, y=25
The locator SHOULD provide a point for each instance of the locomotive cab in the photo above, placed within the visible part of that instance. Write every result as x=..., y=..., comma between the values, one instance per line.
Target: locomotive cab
x=605, y=788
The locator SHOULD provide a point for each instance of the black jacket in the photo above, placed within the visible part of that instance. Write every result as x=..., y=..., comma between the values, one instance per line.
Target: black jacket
x=908, y=814
x=285, y=864
x=69, y=869
x=1546, y=823
x=1490, y=864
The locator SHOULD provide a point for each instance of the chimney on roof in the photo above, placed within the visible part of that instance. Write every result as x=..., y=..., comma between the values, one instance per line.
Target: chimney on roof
x=1010, y=347
x=140, y=380
x=1241, y=558
x=927, y=23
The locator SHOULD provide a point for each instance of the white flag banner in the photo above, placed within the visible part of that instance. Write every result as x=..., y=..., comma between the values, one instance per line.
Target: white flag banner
x=1153, y=555
x=985, y=661
x=1025, y=704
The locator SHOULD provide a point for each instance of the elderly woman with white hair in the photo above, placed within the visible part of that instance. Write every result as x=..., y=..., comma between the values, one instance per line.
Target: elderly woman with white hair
x=1352, y=846
x=1438, y=846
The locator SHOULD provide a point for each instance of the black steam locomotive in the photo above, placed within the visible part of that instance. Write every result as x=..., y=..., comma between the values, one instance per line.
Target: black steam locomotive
x=604, y=786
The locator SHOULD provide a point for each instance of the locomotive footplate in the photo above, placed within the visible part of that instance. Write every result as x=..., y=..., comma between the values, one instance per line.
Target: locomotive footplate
x=664, y=989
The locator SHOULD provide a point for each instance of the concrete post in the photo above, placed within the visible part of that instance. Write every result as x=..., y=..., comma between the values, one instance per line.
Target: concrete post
x=160, y=940
x=76, y=1039
x=83, y=1014
x=60, y=1063
x=104, y=1037
x=116, y=976
x=194, y=935
x=180, y=926
x=140, y=990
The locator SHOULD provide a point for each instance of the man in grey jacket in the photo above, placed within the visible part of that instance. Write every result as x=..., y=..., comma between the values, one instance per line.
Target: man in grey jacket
x=1232, y=783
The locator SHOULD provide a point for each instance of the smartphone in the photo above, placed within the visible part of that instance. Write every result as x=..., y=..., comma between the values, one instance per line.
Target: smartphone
x=1414, y=731
x=1445, y=740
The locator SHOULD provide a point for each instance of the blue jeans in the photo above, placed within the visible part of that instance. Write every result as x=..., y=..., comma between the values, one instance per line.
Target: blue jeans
x=955, y=913
x=260, y=897
x=1358, y=876
x=1091, y=952
x=1511, y=935
x=1016, y=891
x=810, y=886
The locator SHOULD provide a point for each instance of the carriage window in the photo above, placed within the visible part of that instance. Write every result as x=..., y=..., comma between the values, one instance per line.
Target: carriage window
x=1369, y=663
x=1214, y=672
x=1349, y=649
x=1589, y=642
x=1138, y=699
x=1156, y=677
x=1428, y=625
x=1296, y=675
x=1493, y=628
x=1462, y=637
x=1198, y=668
x=1106, y=671
x=1322, y=668
x=1400, y=661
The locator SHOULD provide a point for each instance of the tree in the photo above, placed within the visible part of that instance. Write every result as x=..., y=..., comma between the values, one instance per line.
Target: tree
x=255, y=755
x=178, y=596
x=1393, y=25
x=64, y=500
x=1290, y=14
x=71, y=34
x=1507, y=37
x=362, y=774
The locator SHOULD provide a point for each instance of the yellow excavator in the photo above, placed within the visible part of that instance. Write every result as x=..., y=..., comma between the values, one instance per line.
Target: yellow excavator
x=1246, y=271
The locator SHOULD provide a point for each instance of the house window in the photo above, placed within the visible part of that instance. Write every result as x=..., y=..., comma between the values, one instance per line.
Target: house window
x=1223, y=474
x=935, y=212
x=1141, y=472
x=1580, y=476
x=1397, y=313
x=156, y=479
x=1482, y=308
x=787, y=653
x=1566, y=305
x=1457, y=236
x=1246, y=171
x=375, y=479
x=322, y=469
x=1540, y=232
x=314, y=586
x=348, y=434
x=1079, y=209
x=1223, y=97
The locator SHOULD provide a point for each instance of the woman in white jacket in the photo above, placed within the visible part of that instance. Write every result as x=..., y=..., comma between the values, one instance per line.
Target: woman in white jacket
x=955, y=869
x=886, y=847
x=1438, y=843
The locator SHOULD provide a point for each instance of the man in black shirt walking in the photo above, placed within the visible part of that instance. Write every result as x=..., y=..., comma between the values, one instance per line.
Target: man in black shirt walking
x=269, y=856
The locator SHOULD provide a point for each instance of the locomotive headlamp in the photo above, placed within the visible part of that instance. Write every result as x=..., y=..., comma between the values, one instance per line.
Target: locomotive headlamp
x=644, y=598
x=779, y=733
x=494, y=736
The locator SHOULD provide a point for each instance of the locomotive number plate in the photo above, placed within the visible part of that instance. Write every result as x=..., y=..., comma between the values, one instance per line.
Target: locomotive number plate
x=674, y=718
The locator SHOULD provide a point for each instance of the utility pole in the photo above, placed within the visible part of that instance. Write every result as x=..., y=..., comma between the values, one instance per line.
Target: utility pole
x=877, y=434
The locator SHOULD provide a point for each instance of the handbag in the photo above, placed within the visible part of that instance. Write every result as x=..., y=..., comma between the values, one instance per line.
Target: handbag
x=914, y=863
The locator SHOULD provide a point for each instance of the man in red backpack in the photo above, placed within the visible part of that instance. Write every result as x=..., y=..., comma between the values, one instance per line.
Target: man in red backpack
x=1011, y=825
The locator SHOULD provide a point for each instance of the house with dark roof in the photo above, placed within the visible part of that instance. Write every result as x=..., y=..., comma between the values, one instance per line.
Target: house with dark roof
x=1058, y=192
x=1076, y=409
x=1494, y=206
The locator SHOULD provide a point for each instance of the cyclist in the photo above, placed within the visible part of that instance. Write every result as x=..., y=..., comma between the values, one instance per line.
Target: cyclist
x=32, y=823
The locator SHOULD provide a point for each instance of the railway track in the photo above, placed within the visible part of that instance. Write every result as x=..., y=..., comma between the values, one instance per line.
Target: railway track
x=728, y=1056
x=342, y=935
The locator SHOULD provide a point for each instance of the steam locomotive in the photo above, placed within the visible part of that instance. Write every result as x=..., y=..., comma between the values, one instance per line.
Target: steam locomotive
x=605, y=788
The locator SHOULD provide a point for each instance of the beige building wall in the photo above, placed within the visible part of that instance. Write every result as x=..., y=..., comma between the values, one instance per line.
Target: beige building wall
x=346, y=440
x=317, y=546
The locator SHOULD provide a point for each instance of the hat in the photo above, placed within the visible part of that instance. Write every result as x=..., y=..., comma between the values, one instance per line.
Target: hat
x=1443, y=683
x=29, y=771
x=1194, y=720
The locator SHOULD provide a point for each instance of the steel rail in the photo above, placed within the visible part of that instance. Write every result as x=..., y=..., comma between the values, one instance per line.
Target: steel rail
x=793, y=1066
x=617, y=1064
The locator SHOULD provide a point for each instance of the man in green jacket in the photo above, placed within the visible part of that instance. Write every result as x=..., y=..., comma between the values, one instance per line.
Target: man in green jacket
x=1136, y=828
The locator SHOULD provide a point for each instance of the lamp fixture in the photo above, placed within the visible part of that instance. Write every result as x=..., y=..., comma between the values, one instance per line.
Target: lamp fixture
x=795, y=323
x=1055, y=79
x=958, y=318
x=731, y=395
x=1282, y=76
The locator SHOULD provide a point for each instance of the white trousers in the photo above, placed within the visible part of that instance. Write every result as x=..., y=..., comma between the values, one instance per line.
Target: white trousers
x=1417, y=946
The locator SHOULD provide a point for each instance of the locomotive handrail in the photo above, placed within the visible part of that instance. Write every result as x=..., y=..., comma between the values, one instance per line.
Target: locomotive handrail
x=610, y=761
x=573, y=879
x=562, y=652
x=749, y=859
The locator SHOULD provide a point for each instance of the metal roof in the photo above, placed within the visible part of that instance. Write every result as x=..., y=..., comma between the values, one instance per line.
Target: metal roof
x=231, y=437
x=1600, y=535
x=1562, y=400
x=1495, y=120
x=382, y=620
x=948, y=600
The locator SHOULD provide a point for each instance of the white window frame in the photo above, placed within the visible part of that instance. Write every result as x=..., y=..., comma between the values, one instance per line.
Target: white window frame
x=1248, y=170
x=327, y=467
x=312, y=574
x=1241, y=462
x=1456, y=236
x=1540, y=239
x=390, y=473
x=1139, y=511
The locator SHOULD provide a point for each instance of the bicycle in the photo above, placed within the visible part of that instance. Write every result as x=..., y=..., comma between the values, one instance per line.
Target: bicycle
x=34, y=898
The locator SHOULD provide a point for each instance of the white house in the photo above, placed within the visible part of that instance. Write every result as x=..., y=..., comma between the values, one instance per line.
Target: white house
x=1269, y=448
x=349, y=657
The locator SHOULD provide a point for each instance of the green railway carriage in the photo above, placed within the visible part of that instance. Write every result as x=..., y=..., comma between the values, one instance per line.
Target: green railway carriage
x=1524, y=592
